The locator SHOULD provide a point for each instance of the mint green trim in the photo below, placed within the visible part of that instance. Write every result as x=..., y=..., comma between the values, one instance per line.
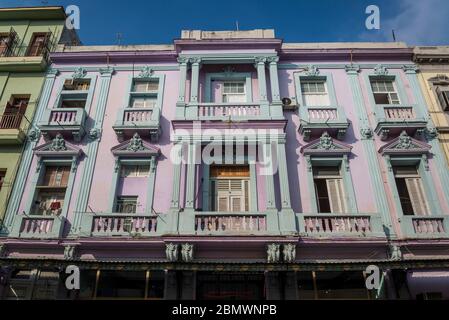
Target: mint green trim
x=92, y=151
x=343, y=163
x=89, y=93
x=27, y=156
x=269, y=182
x=114, y=183
x=190, y=181
x=246, y=76
x=194, y=83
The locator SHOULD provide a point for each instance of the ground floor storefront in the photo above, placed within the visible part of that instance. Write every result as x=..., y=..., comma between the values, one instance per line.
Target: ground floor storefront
x=35, y=280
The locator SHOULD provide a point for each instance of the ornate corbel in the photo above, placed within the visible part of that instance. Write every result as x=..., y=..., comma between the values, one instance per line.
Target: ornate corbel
x=187, y=252
x=380, y=70
x=273, y=253
x=171, y=251
x=289, y=252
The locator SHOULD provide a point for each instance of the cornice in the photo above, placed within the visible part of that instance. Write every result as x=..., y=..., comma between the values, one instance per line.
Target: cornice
x=217, y=44
x=114, y=56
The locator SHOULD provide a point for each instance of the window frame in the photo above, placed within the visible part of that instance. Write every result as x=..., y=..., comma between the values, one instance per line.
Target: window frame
x=86, y=95
x=388, y=93
x=223, y=76
x=327, y=78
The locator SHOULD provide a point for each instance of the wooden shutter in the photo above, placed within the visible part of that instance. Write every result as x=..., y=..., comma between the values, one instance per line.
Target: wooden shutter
x=336, y=194
x=417, y=196
x=231, y=195
x=56, y=176
x=443, y=97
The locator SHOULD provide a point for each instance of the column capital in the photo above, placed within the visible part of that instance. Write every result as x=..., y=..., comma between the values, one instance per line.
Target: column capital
x=195, y=60
x=260, y=61
x=352, y=69
x=183, y=60
x=410, y=68
x=108, y=71
x=273, y=59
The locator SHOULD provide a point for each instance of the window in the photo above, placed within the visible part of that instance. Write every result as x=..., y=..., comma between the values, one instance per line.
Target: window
x=329, y=190
x=384, y=92
x=72, y=103
x=443, y=96
x=230, y=188
x=14, y=111
x=38, y=44
x=51, y=192
x=410, y=189
x=7, y=43
x=129, y=171
x=2, y=178
x=126, y=204
x=314, y=93
x=234, y=91
x=145, y=86
x=76, y=85
x=4, y=38
x=143, y=102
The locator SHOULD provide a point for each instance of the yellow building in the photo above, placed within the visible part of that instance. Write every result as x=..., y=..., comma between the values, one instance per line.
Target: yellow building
x=434, y=80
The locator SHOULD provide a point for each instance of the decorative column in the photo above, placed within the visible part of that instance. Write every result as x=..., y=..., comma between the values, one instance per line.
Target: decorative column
x=92, y=150
x=27, y=155
x=192, y=110
x=260, y=66
x=366, y=134
x=190, y=181
x=181, y=104
x=287, y=218
x=272, y=213
x=174, y=206
x=276, y=103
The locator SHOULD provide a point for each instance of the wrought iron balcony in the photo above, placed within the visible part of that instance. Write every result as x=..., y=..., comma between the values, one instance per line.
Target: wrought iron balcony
x=336, y=224
x=396, y=118
x=317, y=119
x=66, y=121
x=144, y=121
x=13, y=129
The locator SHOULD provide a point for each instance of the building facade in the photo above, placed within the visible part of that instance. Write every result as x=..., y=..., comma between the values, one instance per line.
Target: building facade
x=230, y=165
x=27, y=36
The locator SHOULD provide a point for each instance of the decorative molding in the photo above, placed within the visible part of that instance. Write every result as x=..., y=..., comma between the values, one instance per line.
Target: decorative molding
x=171, y=251
x=183, y=60
x=58, y=144
x=395, y=252
x=273, y=59
x=58, y=147
x=366, y=133
x=289, y=252
x=440, y=79
x=196, y=60
x=326, y=145
x=108, y=71
x=431, y=133
x=273, y=253
x=34, y=135
x=69, y=252
x=187, y=252
x=352, y=68
x=79, y=73
x=146, y=72
x=94, y=134
x=312, y=71
x=380, y=70
x=135, y=144
x=258, y=60
x=135, y=147
x=53, y=72
x=410, y=68
x=404, y=144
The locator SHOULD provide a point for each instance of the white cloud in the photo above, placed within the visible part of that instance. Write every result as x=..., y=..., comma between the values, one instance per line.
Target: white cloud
x=419, y=22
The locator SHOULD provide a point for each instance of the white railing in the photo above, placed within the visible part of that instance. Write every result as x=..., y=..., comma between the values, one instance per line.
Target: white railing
x=428, y=225
x=230, y=223
x=37, y=226
x=120, y=224
x=207, y=110
x=137, y=116
x=337, y=224
x=399, y=113
x=67, y=117
x=322, y=114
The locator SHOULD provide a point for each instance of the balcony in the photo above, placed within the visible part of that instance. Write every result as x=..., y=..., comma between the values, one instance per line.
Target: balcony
x=38, y=227
x=345, y=225
x=144, y=121
x=13, y=129
x=425, y=226
x=317, y=119
x=226, y=112
x=66, y=121
x=392, y=119
x=24, y=59
x=216, y=223
x=121, y=224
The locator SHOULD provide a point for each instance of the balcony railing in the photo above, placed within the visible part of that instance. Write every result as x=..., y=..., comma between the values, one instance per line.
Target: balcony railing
x=425, y=226
x=145, y=121
x=317, y=119
x=38, y=226
x=222, y=111
x=330, y=224
x=121, y=224
x=398, y=117
x=13, y=128
x=64, y=120
x=230, y=223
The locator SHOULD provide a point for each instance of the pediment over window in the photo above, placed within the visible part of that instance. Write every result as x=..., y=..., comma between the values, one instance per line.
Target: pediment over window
x=440, y=79
x=58, y=147
x=326, y=145
x=404, y=144
x=135, y=147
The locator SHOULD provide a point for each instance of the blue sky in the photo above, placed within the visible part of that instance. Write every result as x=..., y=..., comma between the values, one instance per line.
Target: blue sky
x=418, y=22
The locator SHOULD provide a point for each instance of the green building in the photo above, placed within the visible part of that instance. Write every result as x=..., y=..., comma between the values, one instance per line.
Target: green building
x=27, y=36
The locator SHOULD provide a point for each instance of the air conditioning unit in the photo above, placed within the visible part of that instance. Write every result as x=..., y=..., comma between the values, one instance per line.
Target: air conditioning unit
x=289, y=104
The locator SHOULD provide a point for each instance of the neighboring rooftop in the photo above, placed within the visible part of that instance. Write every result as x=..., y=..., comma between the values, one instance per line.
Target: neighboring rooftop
x=33, y=13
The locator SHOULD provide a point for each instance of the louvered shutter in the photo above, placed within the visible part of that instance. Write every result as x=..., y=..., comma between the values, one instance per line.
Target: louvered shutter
x=443, y=98
x=336, y=194
x=417, y=196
